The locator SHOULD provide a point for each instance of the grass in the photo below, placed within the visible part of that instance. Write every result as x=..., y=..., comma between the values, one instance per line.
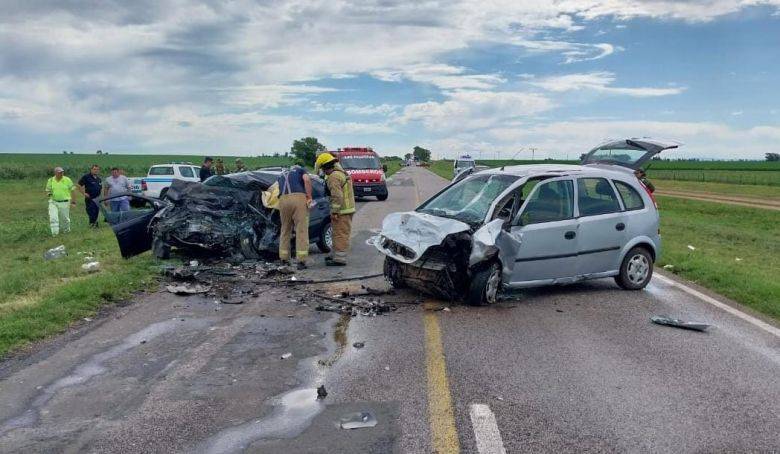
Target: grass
x=726, y=189
x=39, y=298
x=720, y=235
x=749, y=177
x=393, y=166
x=21, y=166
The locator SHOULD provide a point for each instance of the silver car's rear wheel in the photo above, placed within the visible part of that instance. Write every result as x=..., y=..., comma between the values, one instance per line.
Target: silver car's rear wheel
x=636, y=269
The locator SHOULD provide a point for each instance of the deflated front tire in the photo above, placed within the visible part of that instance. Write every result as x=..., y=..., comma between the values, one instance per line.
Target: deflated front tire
x=485, y=285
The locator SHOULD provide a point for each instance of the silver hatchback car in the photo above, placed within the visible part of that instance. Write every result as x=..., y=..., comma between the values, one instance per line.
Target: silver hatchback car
x=530, y=225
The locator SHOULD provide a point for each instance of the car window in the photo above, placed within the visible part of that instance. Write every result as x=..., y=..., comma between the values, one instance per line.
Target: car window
x=469, y=200
x=161, y=170
x=631, y=199
x=138, y=207
x=553, y=201
x=186, y=172
x=596, y=197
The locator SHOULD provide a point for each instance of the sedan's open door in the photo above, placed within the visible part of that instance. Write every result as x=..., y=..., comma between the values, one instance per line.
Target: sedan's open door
x=631, y=153
x=131, y=226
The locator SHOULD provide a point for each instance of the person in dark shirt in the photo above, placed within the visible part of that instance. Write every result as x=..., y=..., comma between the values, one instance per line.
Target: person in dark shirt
x=642, y=176
x=91, y=185
x=205, y=169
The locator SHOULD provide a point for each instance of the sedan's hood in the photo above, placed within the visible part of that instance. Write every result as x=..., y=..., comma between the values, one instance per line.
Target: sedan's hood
x=406, y=236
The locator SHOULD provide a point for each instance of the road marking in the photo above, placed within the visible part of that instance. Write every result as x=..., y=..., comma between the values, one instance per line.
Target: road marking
x=708, y=299
x=486, y=432
x=442, y=417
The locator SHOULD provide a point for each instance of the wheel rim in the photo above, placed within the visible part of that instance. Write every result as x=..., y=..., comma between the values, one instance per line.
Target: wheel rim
x=328, y=236
x=638, y=269
x=493, y=283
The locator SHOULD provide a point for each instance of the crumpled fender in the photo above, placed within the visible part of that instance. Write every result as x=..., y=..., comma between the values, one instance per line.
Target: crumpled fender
x=417, y=231
x=492, y=240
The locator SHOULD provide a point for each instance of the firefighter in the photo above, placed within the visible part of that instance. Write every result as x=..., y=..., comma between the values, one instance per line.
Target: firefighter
x=294, y=203
x=342, y=207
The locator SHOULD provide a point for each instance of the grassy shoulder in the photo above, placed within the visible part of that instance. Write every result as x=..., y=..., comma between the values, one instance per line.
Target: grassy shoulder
x=736, y=252
x=442, y=168
x=726, y=189
x=38, y=297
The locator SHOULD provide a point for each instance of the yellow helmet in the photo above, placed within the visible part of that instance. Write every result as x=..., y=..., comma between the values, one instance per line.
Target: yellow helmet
x=323, y=159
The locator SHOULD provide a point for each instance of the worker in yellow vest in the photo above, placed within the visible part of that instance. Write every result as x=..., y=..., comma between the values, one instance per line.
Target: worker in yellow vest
x=342, y=207
x=59, y=190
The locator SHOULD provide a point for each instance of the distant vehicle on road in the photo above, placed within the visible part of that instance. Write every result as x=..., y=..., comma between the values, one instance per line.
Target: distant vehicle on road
x=365, y=169
x=530, y=225
x=160, y=176
x=462, y=163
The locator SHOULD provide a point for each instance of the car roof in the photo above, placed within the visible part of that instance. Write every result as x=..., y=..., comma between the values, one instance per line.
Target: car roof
x=535, y=170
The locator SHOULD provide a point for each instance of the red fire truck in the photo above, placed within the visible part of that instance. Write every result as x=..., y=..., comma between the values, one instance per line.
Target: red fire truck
x=366, y=170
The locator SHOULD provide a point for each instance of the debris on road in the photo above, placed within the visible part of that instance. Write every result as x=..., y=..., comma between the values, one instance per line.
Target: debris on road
x=677, y=323
x=358, y=420
x=91, y=267
x=322, y=392
x=55, y=252
x=286, y=356
x=355, y=306
x=187, y=289
x=359, y=344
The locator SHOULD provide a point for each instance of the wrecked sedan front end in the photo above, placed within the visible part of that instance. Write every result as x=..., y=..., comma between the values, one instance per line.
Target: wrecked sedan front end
x=439, y=248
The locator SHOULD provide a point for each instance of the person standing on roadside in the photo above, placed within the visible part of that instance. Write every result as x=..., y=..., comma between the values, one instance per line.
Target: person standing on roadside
x=294, y=203
x=342, y=207
x=642, y=176
x=117, y=184
x=220, y=167
x=90, y=185
x=240, y=167
x=205, y=169
x=60, y=192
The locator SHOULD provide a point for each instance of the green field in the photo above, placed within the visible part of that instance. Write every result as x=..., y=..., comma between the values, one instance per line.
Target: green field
x=751, y=177
x=762, y=192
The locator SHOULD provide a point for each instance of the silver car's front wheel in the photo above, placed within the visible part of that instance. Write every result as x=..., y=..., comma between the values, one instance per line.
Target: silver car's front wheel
x=636, y=269
x=485, y=285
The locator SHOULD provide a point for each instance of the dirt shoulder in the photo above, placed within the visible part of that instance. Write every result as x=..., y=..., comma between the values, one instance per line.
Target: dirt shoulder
x=733, y=200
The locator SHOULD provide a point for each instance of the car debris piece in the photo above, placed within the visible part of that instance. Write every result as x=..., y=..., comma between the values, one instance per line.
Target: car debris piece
x=359, y=344
x=286, y=356
x=55, y=252
x=187, y=289
x=322, y=392
x=358, y=420
x=91, y=267
x=232, y=299
x=677, y=323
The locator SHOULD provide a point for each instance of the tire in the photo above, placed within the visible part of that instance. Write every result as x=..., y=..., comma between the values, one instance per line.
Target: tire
x=163, y=192
x=381, y=198
x=160, y=249
x=246, y=243
x=485, y=285
x=393, y=273
x=636, y=270
x=325, y=242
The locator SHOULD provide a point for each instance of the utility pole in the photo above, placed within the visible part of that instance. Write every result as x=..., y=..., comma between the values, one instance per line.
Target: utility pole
x=533, y=151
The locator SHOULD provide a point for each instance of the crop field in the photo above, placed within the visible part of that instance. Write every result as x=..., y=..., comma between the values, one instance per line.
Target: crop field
x=752, y=177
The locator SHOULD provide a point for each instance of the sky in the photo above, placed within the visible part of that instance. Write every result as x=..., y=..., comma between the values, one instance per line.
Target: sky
x=492, y=78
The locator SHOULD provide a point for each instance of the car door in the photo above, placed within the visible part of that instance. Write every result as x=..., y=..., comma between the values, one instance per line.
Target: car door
x=602, y=226
x=321, y=210
x=547, y=231
x=131, y=228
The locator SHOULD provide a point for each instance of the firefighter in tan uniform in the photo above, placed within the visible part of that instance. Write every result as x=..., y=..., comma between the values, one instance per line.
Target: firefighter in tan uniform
x=342, y=207
x=294, y=203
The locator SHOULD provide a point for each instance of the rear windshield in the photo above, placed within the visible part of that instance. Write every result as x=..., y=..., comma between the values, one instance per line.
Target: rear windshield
x=360, y=162
x=469, y=200
x=617, y=155
x=162, y=170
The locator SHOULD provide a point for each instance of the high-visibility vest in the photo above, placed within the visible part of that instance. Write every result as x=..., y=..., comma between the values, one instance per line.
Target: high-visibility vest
x=348, y=206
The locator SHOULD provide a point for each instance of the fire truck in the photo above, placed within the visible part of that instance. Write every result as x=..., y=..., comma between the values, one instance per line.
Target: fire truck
x=366, y=170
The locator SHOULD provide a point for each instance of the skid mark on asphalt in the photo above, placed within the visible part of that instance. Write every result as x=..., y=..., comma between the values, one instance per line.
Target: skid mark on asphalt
x=486, y=432
x=440, y=412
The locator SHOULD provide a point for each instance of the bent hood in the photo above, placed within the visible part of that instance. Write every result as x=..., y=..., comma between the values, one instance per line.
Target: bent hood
x=406, y=236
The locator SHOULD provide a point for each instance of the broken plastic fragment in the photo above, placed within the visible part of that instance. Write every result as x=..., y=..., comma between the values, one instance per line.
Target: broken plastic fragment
x=668, y=266
x=286, y=355
x=55, y=252
x=358, y=420
x=186, y=289
x=359, y=344
x=91, y=267
x=322, y=392
x=691, y=247
x=677, y=323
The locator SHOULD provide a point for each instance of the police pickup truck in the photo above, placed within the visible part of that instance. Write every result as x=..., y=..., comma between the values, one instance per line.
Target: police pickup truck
x=156, y=182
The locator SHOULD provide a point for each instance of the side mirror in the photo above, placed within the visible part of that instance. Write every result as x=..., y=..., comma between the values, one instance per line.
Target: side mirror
x=384, y=167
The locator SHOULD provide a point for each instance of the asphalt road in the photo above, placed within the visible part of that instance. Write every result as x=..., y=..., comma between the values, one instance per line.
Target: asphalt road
x=576, y=368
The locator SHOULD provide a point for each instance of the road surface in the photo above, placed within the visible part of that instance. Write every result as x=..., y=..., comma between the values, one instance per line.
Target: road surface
x=563, y=369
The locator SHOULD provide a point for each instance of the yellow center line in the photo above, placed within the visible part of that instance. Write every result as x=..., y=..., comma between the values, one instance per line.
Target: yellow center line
x=442, y=417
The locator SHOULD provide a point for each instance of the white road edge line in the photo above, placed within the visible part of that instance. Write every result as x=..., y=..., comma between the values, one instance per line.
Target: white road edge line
x=486, y=432
x=708, y=299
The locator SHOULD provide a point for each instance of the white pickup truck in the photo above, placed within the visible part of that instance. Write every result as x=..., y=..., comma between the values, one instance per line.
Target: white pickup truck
x=160, y=177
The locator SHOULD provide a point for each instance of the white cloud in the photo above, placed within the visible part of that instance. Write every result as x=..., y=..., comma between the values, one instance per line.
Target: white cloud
x=600, y=81
x=443, y=76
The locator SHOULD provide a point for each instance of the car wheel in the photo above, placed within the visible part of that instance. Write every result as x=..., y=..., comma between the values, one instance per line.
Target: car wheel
x=381, y=198
x=484, y=286
x=636, y=269
x=160, y=249
x=392, y=273
x=163, y=192
x=246, y=243
x=325, y=243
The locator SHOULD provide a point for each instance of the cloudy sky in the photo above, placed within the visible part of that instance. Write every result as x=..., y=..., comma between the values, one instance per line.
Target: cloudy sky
x=485, y=77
